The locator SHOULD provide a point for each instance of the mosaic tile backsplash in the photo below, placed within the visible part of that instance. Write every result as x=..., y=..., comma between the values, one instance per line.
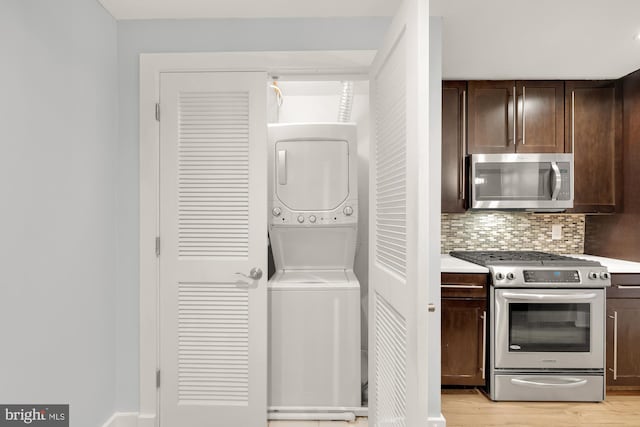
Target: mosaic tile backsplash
x=512, y=231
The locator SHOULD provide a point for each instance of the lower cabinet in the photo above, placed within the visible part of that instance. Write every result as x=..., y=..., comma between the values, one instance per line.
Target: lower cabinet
x=623, y=332
x=464, y=329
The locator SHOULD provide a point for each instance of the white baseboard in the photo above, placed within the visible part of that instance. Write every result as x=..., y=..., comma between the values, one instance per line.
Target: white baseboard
x=133, y=419
x=146, y=420
x=437, y=421
x=122, y=419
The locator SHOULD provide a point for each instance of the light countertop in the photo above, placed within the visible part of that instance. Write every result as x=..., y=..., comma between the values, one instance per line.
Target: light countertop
x=449, y=264
x=613, y=265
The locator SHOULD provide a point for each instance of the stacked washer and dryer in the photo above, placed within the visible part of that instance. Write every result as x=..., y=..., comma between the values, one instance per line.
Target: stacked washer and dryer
x=314, y=296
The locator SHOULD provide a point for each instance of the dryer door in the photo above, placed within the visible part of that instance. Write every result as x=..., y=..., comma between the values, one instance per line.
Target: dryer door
x=312, y=175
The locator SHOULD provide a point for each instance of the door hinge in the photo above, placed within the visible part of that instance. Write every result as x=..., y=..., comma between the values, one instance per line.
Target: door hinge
x=158, y=111
x=158, y=378
x=158, y=246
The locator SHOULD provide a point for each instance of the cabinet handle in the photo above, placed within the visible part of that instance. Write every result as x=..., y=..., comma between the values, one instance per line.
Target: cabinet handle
x=524, y=116
x=573, y=121
x=462, y=184
x=515, y=106
x=462, y=286
x=484, y=343
x=615, y=344
x=626, y=287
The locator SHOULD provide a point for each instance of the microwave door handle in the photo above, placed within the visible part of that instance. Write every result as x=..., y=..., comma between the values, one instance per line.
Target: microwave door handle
x=548, y=297
x=557, y=181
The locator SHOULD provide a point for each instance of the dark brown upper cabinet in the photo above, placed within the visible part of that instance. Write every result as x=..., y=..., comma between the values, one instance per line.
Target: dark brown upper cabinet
x=593, y=118
x=454, y=97
x=535, y=126
x=540, y=117
x=491, y=117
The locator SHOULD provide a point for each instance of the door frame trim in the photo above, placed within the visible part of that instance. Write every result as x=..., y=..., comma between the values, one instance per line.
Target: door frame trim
x=310, y=65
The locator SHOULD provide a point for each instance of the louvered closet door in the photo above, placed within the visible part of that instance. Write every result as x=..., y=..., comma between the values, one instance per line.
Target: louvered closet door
x=213, y=322
x=398, y=224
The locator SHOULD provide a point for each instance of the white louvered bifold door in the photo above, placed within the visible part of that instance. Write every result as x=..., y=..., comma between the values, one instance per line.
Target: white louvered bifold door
x=213, y=322
x=398, y=227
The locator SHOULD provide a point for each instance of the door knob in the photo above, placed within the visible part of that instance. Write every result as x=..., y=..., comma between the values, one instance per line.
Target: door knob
x=254, y=274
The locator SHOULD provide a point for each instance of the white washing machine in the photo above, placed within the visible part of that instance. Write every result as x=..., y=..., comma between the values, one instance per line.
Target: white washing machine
x=314, y=297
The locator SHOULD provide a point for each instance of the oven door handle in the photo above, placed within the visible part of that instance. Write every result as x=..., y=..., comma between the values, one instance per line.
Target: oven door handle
x=566, y=383
x=549, y=297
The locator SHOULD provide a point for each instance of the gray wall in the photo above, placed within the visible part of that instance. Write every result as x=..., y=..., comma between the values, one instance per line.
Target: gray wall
x=135, y=37
x=58, y=121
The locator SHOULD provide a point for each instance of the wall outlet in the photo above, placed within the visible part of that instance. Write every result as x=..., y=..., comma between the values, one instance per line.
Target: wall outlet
x=556, y=231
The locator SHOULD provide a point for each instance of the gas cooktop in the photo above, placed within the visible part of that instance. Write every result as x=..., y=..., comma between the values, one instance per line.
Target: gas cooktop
x=520, y=258
x=538, y=269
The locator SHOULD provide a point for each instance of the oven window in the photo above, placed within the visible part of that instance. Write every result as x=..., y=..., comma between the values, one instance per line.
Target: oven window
x=537, y=327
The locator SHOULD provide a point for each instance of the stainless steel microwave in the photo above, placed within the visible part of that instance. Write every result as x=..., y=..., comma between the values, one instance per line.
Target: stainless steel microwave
x=537, y=182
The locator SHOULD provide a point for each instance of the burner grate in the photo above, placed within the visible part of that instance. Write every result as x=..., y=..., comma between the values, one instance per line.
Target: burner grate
x=520, y=258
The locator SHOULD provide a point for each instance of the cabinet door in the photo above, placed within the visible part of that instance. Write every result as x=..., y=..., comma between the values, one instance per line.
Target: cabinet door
x=454, y=96
x=623, y=342
x=540, y=117
x=594, y=134
x=491, y=117
x=463, y=331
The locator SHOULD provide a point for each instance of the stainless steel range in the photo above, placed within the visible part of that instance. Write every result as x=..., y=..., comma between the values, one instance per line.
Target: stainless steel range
x=546, y=325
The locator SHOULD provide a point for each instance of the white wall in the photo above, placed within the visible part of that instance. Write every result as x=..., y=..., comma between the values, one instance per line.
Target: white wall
x=435, y=174
x=58, y=124
x=319, y=102
x=135, y=37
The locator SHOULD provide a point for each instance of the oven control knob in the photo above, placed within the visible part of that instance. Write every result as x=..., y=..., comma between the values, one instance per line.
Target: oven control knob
x=276, y=211
x=604, y=275
x=511, y=276
x=593, y=275
x=499, y=276
x=312, y=219
x=300, y=219
x=348, y=210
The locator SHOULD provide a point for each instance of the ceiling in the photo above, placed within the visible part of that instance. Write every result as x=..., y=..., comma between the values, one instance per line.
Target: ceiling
x=482, y=39
x=539, y=39
x=185, y=9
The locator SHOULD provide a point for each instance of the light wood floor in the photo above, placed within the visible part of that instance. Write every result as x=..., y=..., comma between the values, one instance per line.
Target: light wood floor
x=470, y=408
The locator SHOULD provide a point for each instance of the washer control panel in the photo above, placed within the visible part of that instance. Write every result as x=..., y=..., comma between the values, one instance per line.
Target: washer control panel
x=346, y=213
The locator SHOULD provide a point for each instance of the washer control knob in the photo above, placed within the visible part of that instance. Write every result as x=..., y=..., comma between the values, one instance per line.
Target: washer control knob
x=312, y=219
x=511, y=276
x=593, y=275
x=348, y=210
x=604, y=275
x=276, y=211
x=499, y=276
x=300, y=219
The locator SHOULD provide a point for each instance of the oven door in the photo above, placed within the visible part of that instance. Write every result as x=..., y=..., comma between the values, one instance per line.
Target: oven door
x=549, y=328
